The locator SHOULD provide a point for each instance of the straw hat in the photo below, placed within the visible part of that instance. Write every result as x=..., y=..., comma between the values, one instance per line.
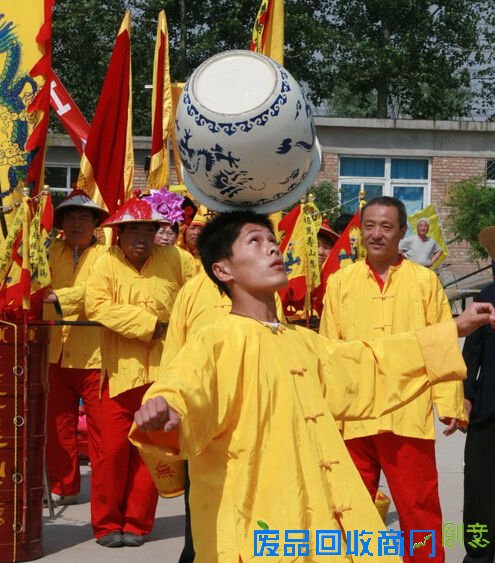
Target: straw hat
x=246, y=135
x=487, y=240
x=327, y=231
x=78, y=199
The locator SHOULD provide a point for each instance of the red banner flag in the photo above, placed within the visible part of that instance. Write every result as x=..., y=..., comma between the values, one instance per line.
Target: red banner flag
x=346, y=251
x=69, y=114
x=107, y=165
x=40, y=106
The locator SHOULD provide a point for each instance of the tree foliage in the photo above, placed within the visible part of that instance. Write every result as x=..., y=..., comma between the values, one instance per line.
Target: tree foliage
x=413, y=55
x=472, y=209
x=363, y=58
x=84, y=33
x=327, y=200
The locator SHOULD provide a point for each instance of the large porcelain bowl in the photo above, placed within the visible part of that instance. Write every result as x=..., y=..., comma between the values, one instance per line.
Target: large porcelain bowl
x=246, y=135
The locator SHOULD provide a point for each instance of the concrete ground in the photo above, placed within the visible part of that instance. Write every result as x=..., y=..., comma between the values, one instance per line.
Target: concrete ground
x=68, y=538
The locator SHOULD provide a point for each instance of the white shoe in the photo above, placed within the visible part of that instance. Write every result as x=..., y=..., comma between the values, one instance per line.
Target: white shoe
x=61, y=500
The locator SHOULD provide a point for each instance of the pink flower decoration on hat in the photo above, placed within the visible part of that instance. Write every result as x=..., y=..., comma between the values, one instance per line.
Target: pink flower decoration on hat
x=167, y=204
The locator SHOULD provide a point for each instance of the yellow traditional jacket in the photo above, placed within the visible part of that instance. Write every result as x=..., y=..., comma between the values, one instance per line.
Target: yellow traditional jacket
x=258, y=410
x=356, y=309
x=75, y=346
x=128, y=303
x=198, y=304
x=191, y=267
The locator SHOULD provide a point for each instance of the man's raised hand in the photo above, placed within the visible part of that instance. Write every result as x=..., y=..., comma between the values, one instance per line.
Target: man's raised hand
x=156, y=414
x=475, y=315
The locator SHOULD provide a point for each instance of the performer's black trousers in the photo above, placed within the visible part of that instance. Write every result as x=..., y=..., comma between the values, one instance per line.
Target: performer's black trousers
x=479, y=490
x=187, y=555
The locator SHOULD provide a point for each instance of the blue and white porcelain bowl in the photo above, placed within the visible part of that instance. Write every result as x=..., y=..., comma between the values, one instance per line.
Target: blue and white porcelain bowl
x=246, y=135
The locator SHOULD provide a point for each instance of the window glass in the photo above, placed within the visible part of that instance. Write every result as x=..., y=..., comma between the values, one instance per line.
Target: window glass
x=74, y=175
x=56, y=176
x=490, y=170
x=409, y=169
x=411, y=197
x=363, y=167
x=349, y=195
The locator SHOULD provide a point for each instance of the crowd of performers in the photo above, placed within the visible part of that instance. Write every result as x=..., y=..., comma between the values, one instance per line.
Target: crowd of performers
x=277, y=423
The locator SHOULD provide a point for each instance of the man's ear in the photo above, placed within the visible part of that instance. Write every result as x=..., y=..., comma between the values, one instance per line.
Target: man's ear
x=221, y=270
x=403, y=232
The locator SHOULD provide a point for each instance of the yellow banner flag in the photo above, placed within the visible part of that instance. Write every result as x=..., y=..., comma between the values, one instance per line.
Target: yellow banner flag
x=25, y=32
x=39, y=241
x=161, y=109
x=177, y=88
x=7, y=244
x=268, y=31
x=15, y=273
x=299, y=248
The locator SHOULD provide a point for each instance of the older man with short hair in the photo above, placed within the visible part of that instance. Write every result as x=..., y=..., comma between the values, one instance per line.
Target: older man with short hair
x=370, y=299
x=420, y=248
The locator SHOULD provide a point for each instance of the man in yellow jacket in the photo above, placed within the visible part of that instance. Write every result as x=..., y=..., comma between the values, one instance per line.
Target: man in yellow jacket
x=198, y=304
x=74, y=352
x=381, y=296
x=131, y=293
x=252, y=403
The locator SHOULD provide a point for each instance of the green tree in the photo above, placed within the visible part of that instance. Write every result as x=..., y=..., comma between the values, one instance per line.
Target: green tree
x=327, y=200
x=472, y=208
x=84, y=33
x=415, y=57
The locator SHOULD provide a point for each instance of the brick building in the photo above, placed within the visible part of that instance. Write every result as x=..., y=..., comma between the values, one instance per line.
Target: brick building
x=410, y=159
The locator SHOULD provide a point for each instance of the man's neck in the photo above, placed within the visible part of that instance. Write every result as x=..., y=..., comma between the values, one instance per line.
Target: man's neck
x=78, y=249
x=382, y=268
x=138, y=265
x=260, y=308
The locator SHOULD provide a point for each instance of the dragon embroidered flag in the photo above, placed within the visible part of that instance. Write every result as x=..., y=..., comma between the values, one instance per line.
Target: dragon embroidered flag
x=39, y=241
x=345, y=252
x=161, y=109
x=107, y=165
x=268, y=31
x=299, y=247
x=25, y=61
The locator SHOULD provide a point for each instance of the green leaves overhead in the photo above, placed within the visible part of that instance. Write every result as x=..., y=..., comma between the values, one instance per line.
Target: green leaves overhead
x=372, y=58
